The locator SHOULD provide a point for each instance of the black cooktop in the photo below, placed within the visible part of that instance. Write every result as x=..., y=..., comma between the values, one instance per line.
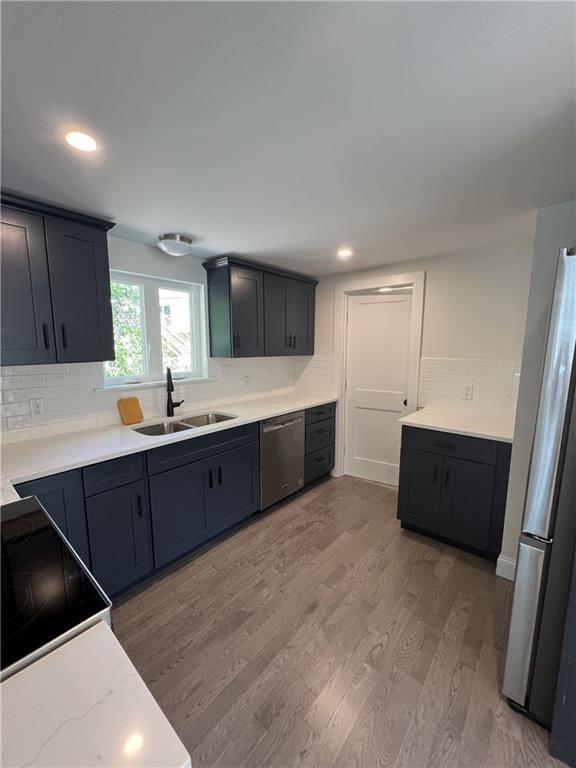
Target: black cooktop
x=46, y=590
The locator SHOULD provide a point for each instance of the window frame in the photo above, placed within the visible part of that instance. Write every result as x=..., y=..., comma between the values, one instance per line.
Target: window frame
x=152, y=328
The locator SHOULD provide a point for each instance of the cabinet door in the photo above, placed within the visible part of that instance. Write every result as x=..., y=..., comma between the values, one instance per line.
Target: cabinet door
x=62, y=496
x=466, y=502
x=233, y=487
x=80, y=284
x=178, y=507
x=275, y=320
x=27, y=326
x=119, y=531
x=247, y=299
x=419, y=489
x=300, y=317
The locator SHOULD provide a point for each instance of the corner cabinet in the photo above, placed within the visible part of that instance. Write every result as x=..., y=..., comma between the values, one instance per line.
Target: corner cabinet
x=55, y=285
x=454, y=488
x=62, y=496
x=256, y=311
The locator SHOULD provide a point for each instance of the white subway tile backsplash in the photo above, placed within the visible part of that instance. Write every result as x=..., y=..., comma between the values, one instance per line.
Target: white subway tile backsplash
x=20, y=382
x=74, y=398
x=495, y=383
x=15, y=409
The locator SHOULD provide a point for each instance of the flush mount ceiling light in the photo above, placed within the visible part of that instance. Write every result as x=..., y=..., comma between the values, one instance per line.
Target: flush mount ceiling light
x=82, y=141
x=174, y=244
x=344, y=253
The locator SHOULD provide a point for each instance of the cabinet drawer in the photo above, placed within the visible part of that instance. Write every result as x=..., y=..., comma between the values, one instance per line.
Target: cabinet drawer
x=196, y=448
x=319, y=463
x=112, y=474
x=320, y=412
x=448, y=444
x=319, y=435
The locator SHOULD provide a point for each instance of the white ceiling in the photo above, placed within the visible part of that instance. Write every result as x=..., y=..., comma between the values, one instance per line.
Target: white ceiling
x=283, y=130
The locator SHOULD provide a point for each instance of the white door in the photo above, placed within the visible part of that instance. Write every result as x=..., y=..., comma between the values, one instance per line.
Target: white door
x=378, y=339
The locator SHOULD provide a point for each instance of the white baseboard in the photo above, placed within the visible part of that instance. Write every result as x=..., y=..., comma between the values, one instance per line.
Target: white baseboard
x=506, y=568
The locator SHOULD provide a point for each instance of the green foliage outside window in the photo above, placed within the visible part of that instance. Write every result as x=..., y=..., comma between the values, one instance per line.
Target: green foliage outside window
x=128, y=332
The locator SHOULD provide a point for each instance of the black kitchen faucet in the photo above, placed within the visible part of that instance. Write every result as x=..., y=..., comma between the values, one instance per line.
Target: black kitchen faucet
x=170, y=404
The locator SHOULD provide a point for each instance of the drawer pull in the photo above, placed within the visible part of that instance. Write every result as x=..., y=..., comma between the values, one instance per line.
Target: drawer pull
x=139, y=504
x=321, y=458
x=210, y=479
x=447, y=446
x=321, y=431
x=219, y=475
x=447, y=478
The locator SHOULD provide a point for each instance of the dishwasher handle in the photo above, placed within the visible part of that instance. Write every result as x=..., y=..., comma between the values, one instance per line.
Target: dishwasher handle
x=273, y=427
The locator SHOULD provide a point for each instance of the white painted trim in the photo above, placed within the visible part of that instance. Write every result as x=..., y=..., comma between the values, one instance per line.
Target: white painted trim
x=341, y=292
x=506, y=568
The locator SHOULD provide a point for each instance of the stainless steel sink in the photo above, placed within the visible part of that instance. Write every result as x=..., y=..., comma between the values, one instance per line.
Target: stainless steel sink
x=162, y=428
x=204, y=419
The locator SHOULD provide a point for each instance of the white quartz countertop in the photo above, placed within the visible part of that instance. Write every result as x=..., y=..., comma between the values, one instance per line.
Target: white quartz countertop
x=488, y=427
x=31, y=459
x=84, y=704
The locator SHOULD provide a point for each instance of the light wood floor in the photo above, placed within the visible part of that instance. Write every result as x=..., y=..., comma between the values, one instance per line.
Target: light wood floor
x=323, y=635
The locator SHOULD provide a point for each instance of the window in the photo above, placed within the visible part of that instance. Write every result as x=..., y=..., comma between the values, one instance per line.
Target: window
x=157, y=324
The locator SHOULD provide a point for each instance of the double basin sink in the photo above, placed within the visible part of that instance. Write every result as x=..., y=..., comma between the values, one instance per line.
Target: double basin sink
x=192, y=422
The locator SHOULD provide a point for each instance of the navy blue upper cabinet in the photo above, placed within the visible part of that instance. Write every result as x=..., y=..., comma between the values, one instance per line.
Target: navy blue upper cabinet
x=247, y=302
x=80, y=284
x=236, y=309
x=288, y=316
x=27, y=328
x=55, y=285
x=62, y=496
x=275, y=311
x=119, y=531
x=256, y=310
x=300, y=316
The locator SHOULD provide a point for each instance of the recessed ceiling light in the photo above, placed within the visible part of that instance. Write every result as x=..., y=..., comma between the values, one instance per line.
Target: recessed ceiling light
x=82, y=141
x=344, y=253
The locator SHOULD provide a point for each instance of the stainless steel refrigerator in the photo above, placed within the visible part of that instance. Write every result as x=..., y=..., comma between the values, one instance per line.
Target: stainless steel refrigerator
x=546, y=549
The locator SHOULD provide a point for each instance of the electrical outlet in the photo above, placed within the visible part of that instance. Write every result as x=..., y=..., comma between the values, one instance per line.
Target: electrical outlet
x=37, y=408
x=468, y=392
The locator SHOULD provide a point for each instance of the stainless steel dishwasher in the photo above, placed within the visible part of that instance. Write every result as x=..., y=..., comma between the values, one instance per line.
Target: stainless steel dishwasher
x=281, y=457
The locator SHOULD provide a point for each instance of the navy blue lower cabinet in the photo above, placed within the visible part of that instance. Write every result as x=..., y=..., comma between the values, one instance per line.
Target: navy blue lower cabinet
x=454, y=487
x=119, y=531
x=233, y=487
x=466, y=502
x=179, y=510
x=62, y=496
x=419, y=489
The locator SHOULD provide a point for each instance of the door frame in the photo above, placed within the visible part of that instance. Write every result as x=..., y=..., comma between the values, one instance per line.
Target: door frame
x=342, y=291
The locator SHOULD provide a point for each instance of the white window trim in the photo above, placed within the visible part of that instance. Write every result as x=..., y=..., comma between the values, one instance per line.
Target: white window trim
x=153, y=369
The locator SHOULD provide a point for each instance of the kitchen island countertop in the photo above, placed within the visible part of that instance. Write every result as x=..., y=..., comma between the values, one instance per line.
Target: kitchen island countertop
x=84, y=704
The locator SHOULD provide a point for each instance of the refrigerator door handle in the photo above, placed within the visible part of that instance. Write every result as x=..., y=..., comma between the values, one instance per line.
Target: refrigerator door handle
x=524, y=619
x=552, y=404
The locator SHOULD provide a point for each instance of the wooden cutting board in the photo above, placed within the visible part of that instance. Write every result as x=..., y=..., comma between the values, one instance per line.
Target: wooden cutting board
x=130, y=410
